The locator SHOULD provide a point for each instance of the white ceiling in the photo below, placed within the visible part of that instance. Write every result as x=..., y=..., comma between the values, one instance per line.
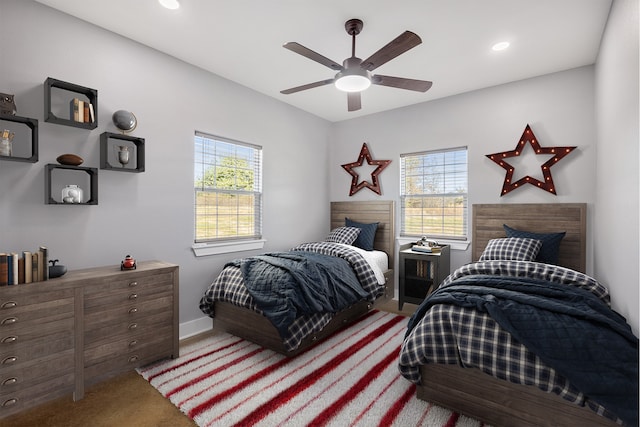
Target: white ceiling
x=242, y=40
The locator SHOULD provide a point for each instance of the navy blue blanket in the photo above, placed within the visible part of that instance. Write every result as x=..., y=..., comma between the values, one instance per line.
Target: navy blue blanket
x=570, y=329
x=285, y=285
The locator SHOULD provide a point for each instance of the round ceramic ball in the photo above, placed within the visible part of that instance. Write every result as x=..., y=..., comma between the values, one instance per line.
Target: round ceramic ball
x=124, y=120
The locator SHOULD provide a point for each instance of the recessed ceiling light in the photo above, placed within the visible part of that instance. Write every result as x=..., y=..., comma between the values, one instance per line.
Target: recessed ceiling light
x=170, y=4
x=500, y=46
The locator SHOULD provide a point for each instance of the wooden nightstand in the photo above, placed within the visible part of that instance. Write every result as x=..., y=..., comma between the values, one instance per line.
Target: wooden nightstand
x=420, y=273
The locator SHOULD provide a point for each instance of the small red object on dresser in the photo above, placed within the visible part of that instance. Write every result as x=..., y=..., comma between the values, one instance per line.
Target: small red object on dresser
x=128, y=263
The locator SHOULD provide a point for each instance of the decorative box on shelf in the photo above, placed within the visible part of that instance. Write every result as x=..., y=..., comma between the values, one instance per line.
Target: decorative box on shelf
x=21, y=130
x=122, y=153
x=67, y=99
x=65, y=193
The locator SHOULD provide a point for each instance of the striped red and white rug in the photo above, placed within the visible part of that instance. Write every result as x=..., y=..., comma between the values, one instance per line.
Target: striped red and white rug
x=350, y=379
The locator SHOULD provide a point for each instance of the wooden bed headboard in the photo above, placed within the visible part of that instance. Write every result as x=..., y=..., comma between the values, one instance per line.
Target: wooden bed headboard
x=537, y=218
x=382, y=212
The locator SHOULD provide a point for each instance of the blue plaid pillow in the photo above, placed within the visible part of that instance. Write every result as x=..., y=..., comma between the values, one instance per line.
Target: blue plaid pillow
x=511, y=248
x=367, y=234
x=550, y=243
x=344, y=235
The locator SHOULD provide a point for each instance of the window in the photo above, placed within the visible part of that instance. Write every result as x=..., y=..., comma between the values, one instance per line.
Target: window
x=227, y=186
x=433, y=193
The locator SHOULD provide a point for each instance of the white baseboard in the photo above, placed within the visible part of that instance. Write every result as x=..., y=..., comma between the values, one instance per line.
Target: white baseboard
x=195, y=327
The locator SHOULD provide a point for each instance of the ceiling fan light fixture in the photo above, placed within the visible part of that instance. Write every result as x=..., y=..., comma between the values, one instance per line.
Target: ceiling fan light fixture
x=170, y=4
x=352, y=83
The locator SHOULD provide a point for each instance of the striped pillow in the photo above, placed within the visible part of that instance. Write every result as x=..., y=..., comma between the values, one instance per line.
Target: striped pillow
x=344, y=235
x=511, y=248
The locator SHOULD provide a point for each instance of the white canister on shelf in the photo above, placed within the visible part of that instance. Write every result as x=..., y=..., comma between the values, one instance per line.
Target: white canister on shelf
x=72, y=194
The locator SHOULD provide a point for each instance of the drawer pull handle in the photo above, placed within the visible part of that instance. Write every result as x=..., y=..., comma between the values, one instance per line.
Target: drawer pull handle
x=133, y=296
x=10, y=381
x=133, y=343
x=9, y=339
x=132, y=284
x=133, y=326
x=10, y=402
x=133, y=359
x=9, y=321
x=133, y=310
x=9, y=304
x=9, y=360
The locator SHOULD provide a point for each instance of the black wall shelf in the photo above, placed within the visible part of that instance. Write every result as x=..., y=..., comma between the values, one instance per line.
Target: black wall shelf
x=109, y=140
x=93, y=185
x=31, y=124
x=91, y=94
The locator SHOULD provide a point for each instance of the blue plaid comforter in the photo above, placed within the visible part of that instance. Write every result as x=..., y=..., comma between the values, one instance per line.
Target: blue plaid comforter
x=230, y=286
x=457, y=333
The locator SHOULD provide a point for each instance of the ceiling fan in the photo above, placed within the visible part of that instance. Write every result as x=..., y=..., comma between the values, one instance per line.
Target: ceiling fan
x=354, y=75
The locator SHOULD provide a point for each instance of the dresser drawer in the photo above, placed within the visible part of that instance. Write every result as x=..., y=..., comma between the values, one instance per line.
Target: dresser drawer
x=128, y=295
x=126, y=313
x=37, y=341
x=28, y=372
x=101, y=351
x=143, y=324
x=130, y=280
x=34, y=302
x=27, y=397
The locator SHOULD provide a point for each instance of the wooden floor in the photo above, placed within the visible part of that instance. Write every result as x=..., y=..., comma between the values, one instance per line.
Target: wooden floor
x=128, y=400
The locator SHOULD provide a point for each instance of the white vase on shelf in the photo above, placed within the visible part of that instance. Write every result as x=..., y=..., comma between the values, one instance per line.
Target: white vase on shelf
x=72, y=194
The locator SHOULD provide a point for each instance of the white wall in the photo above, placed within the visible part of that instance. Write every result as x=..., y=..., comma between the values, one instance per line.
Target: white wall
x=147, y=215
x=617, y=191
x=558, y=107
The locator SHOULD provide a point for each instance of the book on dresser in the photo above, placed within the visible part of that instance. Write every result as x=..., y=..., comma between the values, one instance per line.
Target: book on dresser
x=4, y=269
x=28, y=268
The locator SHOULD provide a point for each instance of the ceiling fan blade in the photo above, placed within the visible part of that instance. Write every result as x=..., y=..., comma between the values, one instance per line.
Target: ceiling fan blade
x=314, y=56
x=401, y=83
x=307, y=86
x=395, y=47
x=353, y=101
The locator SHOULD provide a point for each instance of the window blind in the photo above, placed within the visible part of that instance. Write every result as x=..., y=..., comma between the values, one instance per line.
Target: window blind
x=433, y=193
x=227, y=189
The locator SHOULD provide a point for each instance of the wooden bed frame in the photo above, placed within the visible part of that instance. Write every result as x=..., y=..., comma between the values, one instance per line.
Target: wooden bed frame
x=255, y=327
x=470, y=391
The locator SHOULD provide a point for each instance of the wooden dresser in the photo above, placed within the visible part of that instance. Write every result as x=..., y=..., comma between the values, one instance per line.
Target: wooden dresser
x=61, y=335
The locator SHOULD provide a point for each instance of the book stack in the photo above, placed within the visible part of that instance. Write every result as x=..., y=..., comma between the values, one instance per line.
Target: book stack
x=25, y=267
x=427, y=249
x=81, y=111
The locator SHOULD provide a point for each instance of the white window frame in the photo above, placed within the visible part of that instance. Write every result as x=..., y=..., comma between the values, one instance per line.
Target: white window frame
x=207, y=149
x=451, y=181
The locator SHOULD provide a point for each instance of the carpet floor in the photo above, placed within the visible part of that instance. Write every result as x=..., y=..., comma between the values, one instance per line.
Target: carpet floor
x=350, y=379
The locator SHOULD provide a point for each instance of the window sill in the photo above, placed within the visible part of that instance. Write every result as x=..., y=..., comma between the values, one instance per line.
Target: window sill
x=205, y=249
x=457, y=245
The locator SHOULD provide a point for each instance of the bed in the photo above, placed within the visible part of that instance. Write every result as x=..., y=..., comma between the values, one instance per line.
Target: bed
x=239, y=315
x=483, y=388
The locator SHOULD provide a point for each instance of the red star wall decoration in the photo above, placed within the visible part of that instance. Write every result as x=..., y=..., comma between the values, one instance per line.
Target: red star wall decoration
x=528, y=136
x=374, y=185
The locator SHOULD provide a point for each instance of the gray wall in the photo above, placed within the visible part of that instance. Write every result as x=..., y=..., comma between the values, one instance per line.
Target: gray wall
x=147, y=215
x=558, y=107
x=616, y=214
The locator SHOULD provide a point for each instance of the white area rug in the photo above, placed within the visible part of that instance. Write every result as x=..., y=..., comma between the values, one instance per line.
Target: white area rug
x=350, y=379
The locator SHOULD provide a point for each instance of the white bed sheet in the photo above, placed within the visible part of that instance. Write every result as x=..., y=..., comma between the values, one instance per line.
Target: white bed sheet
x=378, y=260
